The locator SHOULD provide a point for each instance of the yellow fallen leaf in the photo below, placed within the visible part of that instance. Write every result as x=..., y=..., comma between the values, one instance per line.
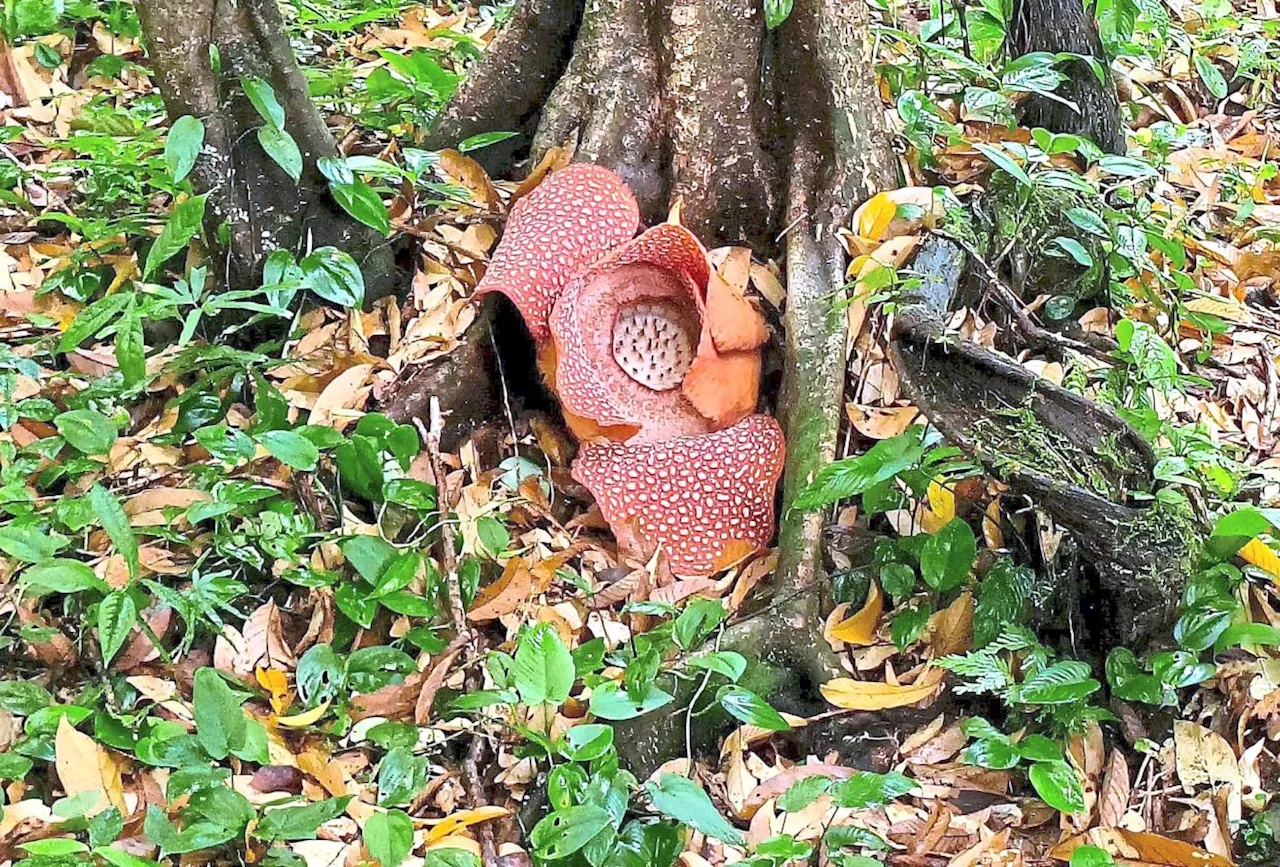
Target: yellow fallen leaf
x=464, y=819
x=276, y=683
x=951, y=629
x=1260, y=554
x=84, y=766
x=860, y=629
x=1140, y=849
x=874, y=216
x=456, y=841
x=1223, y=308
x=304, y=719
x=942, y=501
x=852, y=694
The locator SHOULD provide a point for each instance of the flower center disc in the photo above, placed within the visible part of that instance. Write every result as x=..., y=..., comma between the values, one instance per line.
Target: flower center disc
x=653, y=343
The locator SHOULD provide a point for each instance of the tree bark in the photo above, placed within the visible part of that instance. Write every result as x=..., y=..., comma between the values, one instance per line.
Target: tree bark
x=1064, y=25
x=200, y=51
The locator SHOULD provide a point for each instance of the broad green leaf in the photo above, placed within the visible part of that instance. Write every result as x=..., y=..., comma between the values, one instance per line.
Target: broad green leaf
x=727, y=662
x=1211, y=76
x=363, y=203
x=871, y=790
x=776, y=12
x=131, y=352
x=334, y=276
x=685, y=801
x=853, y=476
x=611, y=702
x=183, y=225
x=120, y=858
x=1075, y=250
x=220, y=724
x=544, y=667
x=182, y=146
x=947, y=556
x=30, y=543
x=263, y=97
x=566, y=831
x=282, y=149
x=93, y=319
x=998, y=754
x=745, y=705
x=117, y=615
x=61, y=575
x=299, y=823
x=113, y=519
x=88, y=432
x=389, y=837
x=291, y=448
x=697, y=621
x=1058, y=785
x=369, y=555
x=585, y=743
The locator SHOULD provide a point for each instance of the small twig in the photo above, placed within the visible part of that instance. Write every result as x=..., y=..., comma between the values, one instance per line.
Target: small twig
x=472, y=778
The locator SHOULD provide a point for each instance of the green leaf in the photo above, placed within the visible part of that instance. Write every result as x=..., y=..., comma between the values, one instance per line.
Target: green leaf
x=483, y=140
x=871, y=790
x=113, y=519
x=29, y=542
x=182, y=147
x=803, y=792
x=282, y=149
x=184, y=223
x=389, y=837
x=697, y=621
x=131, y=351
x=853, y=476
x=611, y=702
x=1058, y=785
x=299, y=823
x=544, y=667
x=1001, y=158
x=745, y=705
x=363, y=203
x=730, y=663
x=1075, y=250
x=565, y=831
x=334, y=276
x=684, y=800
x=54, y=847
x=24, y=698
x=369, y=555
x=291, y=448
x=775, y=12
x=88, y=432
x=1211, y=76
x=998, y=754
x=92, y=319
x=1060, y=683
x=263, y=97
x=220, y=724
x=947, y=556
x=61, y=575
x=120, y=858
x=117, y=615
x=1091, y=856
x=585, y=743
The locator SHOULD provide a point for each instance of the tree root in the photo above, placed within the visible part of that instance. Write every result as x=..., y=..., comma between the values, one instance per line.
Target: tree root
x=259, y=203
x=1076, y=459
x=1091, y=106
x=507, y=89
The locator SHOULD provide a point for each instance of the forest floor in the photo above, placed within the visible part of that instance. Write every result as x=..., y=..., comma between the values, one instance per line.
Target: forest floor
x=223, y=576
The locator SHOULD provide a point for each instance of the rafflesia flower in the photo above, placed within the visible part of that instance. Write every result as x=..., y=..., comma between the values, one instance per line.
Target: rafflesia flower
x=706, y=501
x=656, y=361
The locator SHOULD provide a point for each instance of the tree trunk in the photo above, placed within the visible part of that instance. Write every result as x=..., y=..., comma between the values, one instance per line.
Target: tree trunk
x=1064, y=25
x=200, y=51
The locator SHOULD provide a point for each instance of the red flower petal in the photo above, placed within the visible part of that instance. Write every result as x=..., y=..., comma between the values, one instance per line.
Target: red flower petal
x=706, y=501
x=570, y=220
x=626, y=331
